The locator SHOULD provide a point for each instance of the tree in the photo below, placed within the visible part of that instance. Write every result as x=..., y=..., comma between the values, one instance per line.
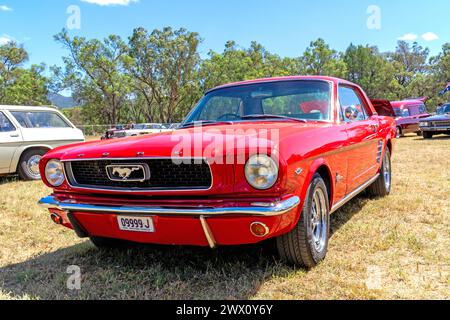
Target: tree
x=94, y=73
x=164, y=65
x=19, y=85
x=409, y=61
x=237, y=64
x=319, y=59
x=369, y=69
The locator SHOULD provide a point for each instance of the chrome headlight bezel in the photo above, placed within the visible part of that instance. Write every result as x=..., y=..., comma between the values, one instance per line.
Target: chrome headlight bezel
x=424, y=124
x=261, y=171
x=54, y=172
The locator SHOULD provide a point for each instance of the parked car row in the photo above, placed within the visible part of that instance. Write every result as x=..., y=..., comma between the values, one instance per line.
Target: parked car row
x=411, y=117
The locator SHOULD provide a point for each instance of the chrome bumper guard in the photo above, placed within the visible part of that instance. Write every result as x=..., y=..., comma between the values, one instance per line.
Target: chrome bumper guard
x=257, y=209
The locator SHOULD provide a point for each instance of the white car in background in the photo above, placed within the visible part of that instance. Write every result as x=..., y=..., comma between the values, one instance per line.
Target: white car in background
x=27, y=133
x=140, y=129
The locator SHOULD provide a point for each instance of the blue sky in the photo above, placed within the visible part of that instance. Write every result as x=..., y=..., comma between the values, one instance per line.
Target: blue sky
x=284, y=27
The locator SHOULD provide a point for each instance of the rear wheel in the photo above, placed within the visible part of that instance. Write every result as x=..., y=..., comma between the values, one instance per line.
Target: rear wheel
x=382, y=186
x=307, y=245
x=427, y=135
x=29, y=164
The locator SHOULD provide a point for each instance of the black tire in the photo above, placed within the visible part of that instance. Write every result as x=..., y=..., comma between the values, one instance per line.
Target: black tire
x=299, y=246
x=107, y=243
x=28, y=158
x=419, y=133
x=382, y=186
x=427, y=135
x=399, y=133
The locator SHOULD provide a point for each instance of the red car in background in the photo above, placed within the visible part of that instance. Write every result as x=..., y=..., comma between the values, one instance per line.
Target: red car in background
x=255, y=160
x=408, y=114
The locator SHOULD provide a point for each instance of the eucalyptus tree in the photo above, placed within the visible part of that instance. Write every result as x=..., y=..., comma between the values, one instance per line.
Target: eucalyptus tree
x=94, y=73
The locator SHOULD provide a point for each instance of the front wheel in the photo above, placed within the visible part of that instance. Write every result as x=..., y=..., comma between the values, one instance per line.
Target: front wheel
x=382, y=186
x=29, y=164
x=427, y=135
x=307, y=245
x=399, y=133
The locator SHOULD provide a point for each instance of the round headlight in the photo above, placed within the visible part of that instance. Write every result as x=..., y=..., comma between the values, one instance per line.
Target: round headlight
x=261, y=172
x=54, y=173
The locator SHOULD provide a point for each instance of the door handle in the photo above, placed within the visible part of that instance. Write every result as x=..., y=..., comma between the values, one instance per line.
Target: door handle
x=14, y=135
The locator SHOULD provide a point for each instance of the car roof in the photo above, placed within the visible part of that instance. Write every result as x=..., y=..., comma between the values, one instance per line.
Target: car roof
x=26, y=108
x=279, y=79
x=403, y=103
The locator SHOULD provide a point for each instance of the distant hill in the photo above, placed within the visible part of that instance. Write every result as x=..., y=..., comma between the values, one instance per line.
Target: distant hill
x=61, y=101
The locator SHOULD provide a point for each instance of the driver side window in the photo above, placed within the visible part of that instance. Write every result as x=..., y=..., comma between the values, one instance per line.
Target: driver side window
x=352, y=107
x=218, y=106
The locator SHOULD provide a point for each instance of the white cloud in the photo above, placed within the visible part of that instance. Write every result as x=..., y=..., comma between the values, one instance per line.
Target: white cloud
x=5, y=39
x=111, y=2
x=430, y=36
x=408, y=37
x=5, y=8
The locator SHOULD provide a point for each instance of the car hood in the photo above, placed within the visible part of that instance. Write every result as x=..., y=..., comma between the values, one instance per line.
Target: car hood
x=441, y=117
x=212, y=141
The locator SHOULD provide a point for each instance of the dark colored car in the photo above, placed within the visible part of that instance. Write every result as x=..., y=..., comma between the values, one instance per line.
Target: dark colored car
x=438, y=124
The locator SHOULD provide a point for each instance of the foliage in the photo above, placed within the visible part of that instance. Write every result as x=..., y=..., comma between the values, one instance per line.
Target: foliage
x=19, y=85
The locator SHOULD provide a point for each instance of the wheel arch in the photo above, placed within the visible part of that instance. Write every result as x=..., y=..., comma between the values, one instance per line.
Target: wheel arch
x=321, y=167
x=20, y=152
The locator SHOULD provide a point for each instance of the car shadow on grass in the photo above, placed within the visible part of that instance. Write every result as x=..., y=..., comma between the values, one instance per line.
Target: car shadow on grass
x=8, y=179
x=145, y=272
x=156, y=272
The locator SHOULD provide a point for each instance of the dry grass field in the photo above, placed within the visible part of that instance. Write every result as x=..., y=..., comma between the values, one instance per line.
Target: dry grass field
x=392, y=248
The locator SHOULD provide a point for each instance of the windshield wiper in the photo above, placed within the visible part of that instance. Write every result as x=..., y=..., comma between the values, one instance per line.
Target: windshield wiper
x=272, y=116
x=204, y=123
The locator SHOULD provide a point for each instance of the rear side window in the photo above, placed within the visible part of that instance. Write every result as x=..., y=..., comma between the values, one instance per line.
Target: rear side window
x=40, y=119
x=414, y=110
x=5, y=124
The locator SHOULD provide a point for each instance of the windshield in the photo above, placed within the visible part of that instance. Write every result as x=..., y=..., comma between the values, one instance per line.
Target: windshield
x=304, y=100
x=444, y=109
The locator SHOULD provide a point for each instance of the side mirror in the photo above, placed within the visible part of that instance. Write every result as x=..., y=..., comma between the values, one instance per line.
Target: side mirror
x=351, y=113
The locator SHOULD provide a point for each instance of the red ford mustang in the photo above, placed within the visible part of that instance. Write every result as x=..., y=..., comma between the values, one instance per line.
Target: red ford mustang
x=255, y=160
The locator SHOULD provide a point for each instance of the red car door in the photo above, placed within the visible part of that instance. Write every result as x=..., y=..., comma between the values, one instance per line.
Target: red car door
x=364, y=144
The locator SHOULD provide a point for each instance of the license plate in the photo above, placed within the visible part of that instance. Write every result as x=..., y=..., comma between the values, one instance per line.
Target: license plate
x=136, y=224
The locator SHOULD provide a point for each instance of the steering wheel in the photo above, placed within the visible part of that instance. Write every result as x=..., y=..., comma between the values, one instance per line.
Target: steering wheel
x=226, y=116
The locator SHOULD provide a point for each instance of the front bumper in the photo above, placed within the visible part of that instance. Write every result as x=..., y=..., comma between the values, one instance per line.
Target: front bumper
x=435, y=129
x=258, y=209
x=203, y=226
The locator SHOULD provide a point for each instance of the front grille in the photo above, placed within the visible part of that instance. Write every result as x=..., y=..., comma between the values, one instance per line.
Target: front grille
x=441, y=124
x=165, y=175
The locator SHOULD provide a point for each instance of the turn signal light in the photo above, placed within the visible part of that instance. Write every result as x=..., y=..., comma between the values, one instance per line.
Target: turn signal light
x=259, y=229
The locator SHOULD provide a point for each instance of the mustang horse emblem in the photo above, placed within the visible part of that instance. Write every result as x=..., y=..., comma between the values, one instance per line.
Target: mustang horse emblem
x=124, y=173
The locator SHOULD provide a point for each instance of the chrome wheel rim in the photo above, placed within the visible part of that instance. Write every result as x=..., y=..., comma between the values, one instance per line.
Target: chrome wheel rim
x=32, y=166
x=319, y=220
x=387, y=171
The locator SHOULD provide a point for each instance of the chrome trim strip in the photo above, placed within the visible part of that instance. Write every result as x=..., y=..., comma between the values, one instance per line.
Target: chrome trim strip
x=70, y=178
x=353, y=194
x=272, y=209
x=208, y=233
